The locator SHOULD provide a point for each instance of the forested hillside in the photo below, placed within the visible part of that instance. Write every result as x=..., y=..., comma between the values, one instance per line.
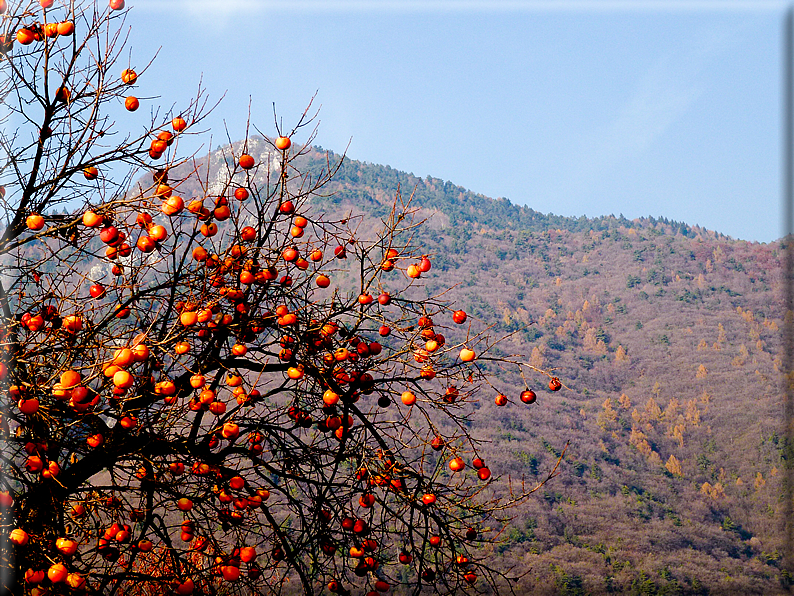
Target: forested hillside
x=667, y=338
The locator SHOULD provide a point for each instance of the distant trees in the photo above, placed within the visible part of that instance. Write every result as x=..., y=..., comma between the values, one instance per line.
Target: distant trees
x=673, y=465
x=633, y=281
x=621, y=355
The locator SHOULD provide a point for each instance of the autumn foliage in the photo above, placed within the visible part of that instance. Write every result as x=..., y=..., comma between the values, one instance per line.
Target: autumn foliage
x=223, y=392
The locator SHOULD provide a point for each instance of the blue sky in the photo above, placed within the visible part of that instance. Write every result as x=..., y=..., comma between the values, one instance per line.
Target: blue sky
x=576, y=108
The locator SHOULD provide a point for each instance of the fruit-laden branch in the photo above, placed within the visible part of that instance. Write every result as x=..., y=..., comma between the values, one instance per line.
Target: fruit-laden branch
x=215, y=386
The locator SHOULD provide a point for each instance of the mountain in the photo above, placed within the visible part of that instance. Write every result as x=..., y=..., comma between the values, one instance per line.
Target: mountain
x=668, y=339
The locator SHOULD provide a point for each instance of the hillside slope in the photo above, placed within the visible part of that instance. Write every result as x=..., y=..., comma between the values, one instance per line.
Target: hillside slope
x=668, y=340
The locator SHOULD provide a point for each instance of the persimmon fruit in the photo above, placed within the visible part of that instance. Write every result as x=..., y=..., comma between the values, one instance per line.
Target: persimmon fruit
x=28, y=406
x=57, y=573
x=92, y=219
x=66, y=546
x=408, y=398
x=467, y=355
x=528, y=396
x=248, y=234
x=456, y=464
x=145, y=244
x=65, y=28
x=173, y=205
x=34, y=222
x=19, y=537
x=129, y=76
x=123, y=379
x=25, y=36
x=70, y=379
x=246, y=161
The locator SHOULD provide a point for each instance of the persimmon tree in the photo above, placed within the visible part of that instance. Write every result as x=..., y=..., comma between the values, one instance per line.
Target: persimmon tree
x=207, y=387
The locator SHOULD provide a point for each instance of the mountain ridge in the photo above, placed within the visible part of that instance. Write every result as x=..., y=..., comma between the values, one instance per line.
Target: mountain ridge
x=527, y=217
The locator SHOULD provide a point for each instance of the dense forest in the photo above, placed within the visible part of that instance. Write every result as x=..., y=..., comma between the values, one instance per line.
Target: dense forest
x=667, y=339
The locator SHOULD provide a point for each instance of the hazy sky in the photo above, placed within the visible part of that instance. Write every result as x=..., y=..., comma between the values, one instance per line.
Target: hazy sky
x=640, y=108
